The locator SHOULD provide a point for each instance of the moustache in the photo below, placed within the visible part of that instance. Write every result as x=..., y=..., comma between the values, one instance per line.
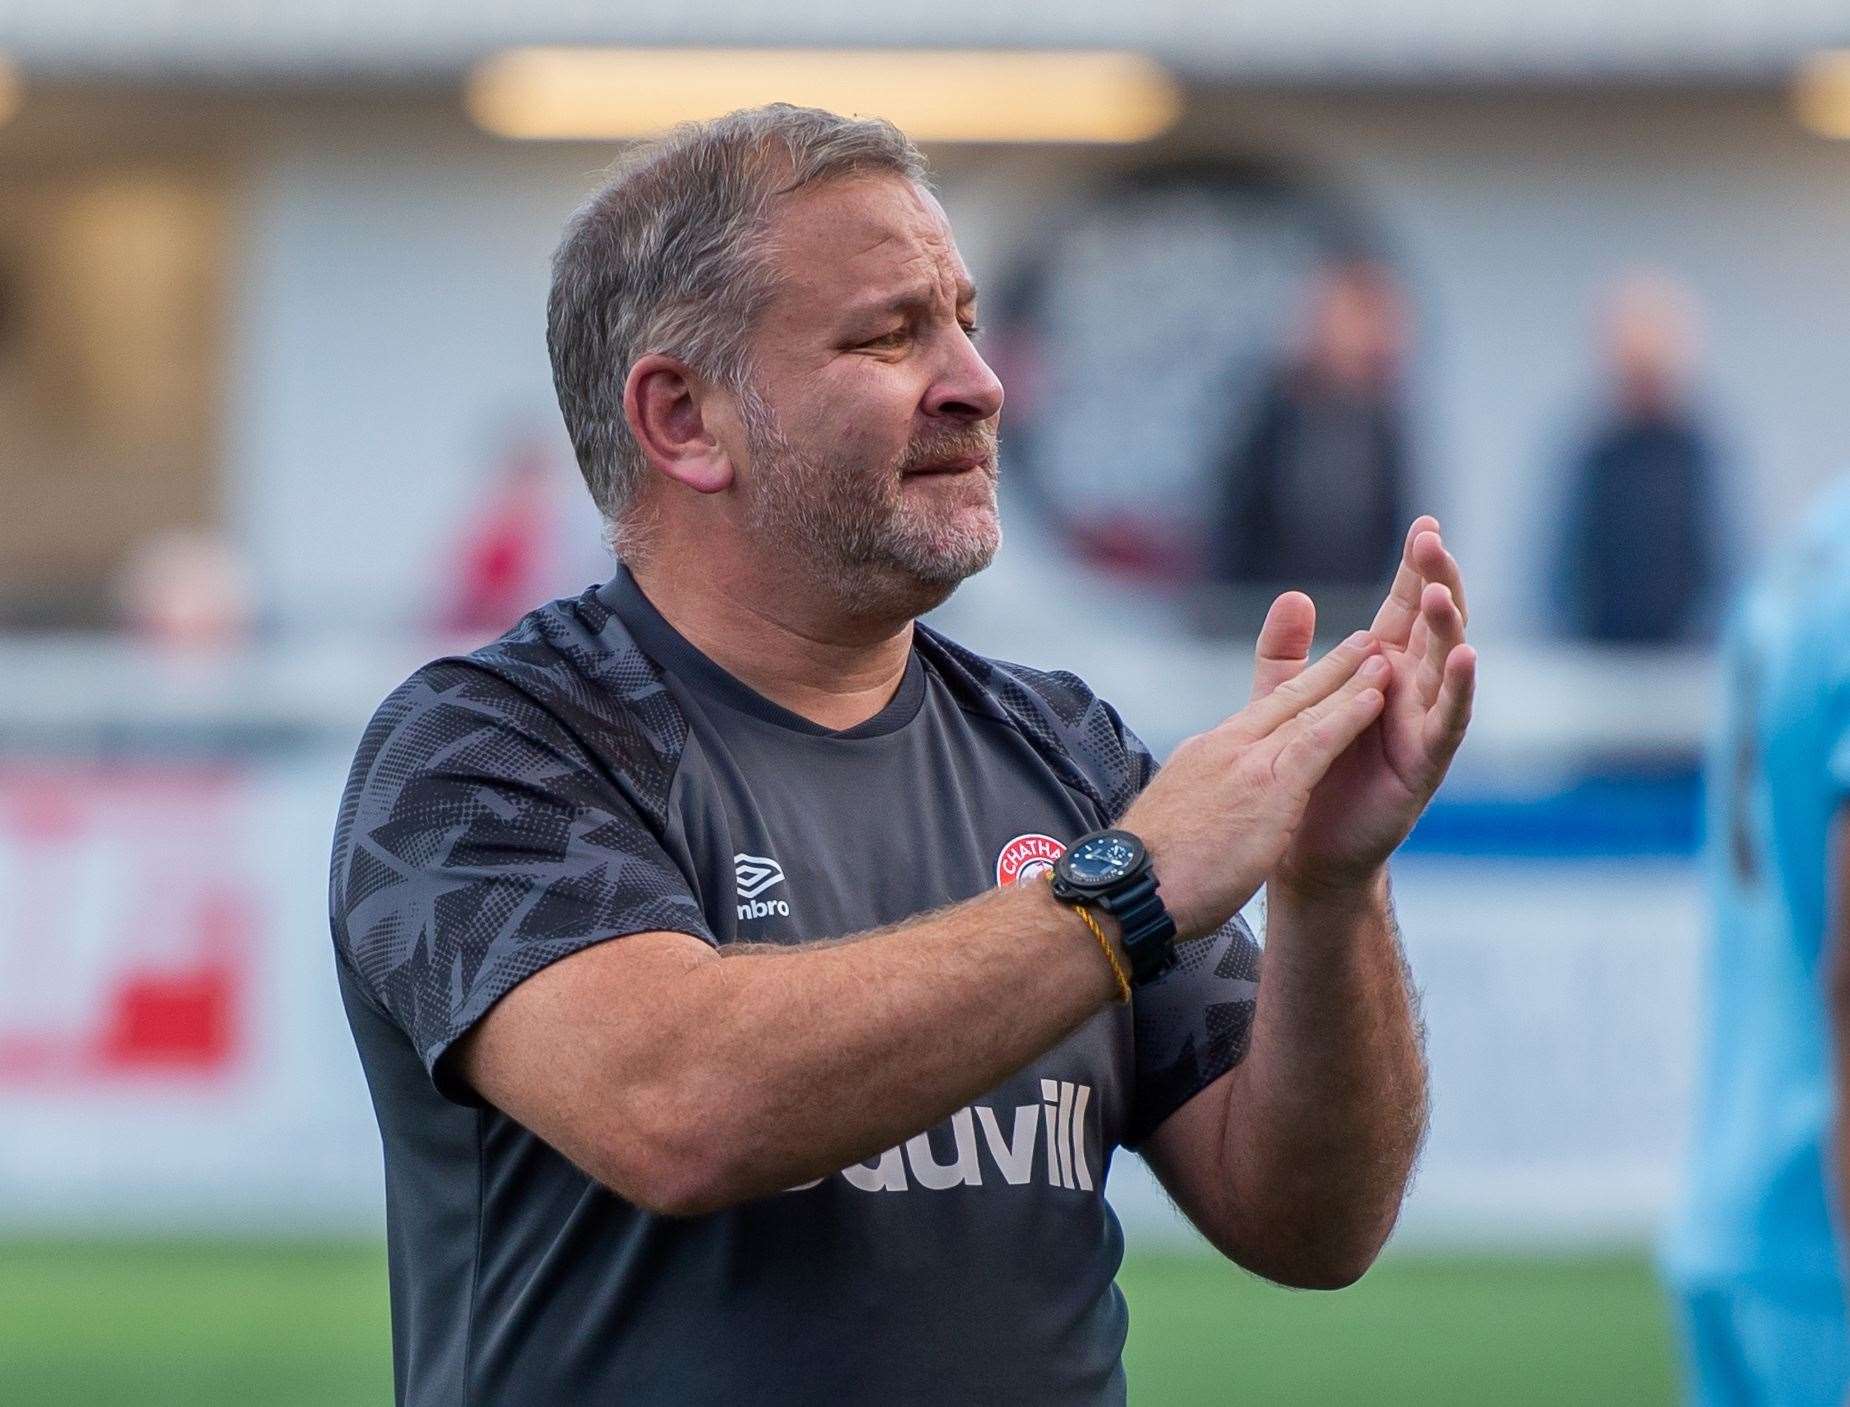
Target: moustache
x=977, y=444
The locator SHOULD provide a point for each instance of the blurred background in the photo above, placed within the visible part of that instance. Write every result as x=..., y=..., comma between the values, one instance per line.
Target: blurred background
x=1262, y=282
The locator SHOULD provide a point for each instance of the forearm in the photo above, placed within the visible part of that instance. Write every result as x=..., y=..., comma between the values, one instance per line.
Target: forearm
x=1330, y=1105
x=798, y=1062
x=686, y=1080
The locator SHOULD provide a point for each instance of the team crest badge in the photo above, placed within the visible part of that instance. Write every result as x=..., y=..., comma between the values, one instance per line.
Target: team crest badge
x=1026, y=856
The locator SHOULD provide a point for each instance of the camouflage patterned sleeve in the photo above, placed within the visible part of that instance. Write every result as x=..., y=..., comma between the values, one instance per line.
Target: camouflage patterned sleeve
x=1140, y=763
x=477, y=843
x=1192, y=1025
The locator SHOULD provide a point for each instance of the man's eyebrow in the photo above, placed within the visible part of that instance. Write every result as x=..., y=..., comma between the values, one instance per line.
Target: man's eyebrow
x=916, y=297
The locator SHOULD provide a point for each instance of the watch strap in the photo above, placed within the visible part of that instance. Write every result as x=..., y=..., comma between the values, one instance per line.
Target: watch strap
x=1147, y=931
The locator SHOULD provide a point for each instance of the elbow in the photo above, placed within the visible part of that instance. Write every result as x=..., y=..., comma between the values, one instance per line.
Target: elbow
x=670, y=1165
x=670, y=1179
x=1329, y=1270
x=672, y=1185
x=1340, y=1257
x=1313, y=1260
x=686, y=1189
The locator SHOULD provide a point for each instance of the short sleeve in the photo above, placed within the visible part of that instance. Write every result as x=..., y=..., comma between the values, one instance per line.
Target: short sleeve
x=1141, y=762
x=477, y=844
x=1192, y=1024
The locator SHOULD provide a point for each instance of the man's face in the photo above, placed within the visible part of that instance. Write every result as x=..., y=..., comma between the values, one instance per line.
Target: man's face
x=871, y=422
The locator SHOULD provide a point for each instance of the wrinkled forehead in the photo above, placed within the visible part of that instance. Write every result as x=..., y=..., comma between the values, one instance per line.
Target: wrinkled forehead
x=840, y=241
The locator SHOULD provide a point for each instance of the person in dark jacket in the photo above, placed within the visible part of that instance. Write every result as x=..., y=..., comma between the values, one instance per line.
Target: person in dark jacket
x=1640, y=557
x=1316, y=487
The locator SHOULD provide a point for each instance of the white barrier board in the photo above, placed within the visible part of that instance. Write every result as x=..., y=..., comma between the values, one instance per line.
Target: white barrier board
x=173, y=1055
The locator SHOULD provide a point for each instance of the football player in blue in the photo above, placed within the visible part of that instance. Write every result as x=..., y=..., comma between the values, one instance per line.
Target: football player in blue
x=1755, y=1252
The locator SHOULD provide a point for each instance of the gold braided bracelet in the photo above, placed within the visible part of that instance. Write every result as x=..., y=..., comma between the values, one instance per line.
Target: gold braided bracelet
x=1104, y=941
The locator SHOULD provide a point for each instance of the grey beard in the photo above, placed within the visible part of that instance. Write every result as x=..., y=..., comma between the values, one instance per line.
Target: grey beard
x=853, y=543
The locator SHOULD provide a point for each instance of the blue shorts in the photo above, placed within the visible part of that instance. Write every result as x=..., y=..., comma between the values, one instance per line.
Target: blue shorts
x=1752, y=1347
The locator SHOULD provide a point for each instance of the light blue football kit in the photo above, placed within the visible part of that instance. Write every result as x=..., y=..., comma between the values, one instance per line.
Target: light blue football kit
x=1752, y=1250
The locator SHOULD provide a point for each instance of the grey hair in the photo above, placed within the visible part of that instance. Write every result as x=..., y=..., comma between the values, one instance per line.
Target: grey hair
x=670, y=255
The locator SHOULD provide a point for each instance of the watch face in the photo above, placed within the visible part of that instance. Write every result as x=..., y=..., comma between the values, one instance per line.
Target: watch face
x=1101, y=860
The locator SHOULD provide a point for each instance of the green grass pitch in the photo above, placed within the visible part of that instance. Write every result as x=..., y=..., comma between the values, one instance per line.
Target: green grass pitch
x=85, y=1324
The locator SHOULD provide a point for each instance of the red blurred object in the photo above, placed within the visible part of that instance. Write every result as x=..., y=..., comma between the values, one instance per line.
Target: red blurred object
x=126, y=952
x=504, y=559
x=181, y=1021
x=1129, y=547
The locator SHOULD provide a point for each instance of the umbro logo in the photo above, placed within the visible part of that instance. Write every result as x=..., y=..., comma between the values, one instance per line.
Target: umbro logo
x=752, y=875
x=755, y=873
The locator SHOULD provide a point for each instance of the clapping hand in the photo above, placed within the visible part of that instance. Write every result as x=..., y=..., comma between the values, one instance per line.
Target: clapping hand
x=1371, y=796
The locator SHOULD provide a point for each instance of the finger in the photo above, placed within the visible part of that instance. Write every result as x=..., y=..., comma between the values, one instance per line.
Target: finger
x=1264, y=715
x=1320, y=735
x=1416, y=642
x=1444, y=630
x=1374, y=673
x=1284, y=642
x=1435, y=563
x=1451, y=714
x=1394, y=621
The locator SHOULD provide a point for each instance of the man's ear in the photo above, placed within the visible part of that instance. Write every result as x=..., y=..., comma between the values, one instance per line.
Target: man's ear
x=667, y=406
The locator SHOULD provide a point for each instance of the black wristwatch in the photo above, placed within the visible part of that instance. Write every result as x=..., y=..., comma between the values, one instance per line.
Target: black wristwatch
x=1111, y=869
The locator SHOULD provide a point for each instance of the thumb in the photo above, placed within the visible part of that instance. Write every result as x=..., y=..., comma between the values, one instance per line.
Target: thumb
x=1284, y=642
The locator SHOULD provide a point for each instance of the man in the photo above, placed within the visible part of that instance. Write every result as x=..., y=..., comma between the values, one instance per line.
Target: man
x=1640, y=551
x=831, y=1121
x=1754, y=1252
x=1314, y=489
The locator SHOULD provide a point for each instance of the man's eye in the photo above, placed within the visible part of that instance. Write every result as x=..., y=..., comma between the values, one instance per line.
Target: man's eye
x=972, y=331
x=886, y=339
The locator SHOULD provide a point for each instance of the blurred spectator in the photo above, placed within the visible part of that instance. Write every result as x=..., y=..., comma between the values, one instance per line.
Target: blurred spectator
x=1755, y=1253
x=187, y=590
x=507, y=560
x=1315, y=490
x=1639, y=561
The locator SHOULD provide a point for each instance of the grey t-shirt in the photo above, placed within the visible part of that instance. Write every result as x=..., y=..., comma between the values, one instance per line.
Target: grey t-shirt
x=591, y=775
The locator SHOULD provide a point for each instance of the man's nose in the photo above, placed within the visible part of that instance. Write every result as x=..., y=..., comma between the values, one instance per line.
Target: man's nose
x=966, y=389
